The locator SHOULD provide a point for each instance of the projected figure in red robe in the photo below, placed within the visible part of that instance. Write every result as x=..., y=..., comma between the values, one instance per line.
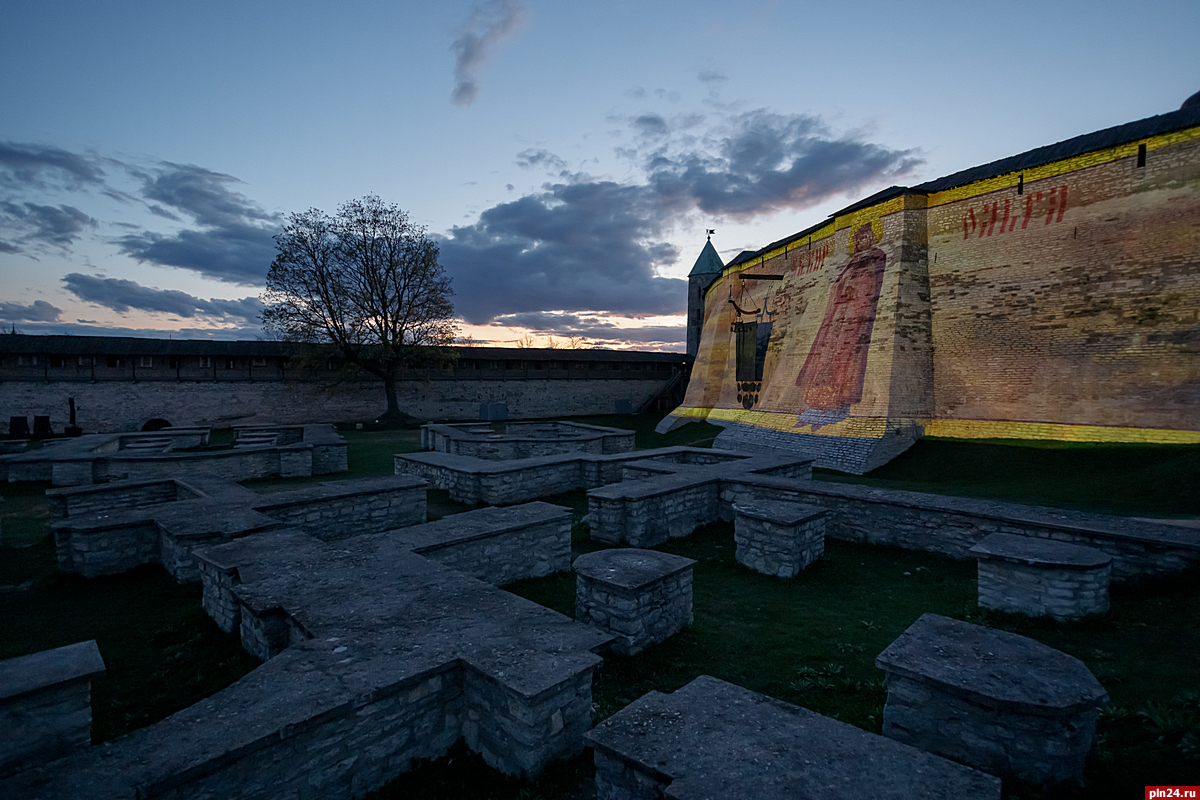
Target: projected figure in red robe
x=831, y=379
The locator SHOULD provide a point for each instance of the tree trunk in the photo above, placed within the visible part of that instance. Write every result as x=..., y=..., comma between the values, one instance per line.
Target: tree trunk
x=393, y=401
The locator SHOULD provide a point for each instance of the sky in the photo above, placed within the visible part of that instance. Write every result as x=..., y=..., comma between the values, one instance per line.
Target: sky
x=567, y=157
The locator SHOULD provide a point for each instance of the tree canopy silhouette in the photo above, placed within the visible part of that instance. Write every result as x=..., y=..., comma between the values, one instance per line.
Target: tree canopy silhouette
x=365, y=280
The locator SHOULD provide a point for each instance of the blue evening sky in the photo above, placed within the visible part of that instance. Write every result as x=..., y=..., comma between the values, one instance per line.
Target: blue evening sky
x=568, y=156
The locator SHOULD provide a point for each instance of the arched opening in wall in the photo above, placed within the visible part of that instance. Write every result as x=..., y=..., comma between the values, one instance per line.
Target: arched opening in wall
x=156, y=425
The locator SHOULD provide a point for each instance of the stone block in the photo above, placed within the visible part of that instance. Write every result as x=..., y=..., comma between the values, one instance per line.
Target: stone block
x=45, y=704
x=641, y=596
x=978, y=696
x=714, y=739
x=778, y=538
x=1042, y=577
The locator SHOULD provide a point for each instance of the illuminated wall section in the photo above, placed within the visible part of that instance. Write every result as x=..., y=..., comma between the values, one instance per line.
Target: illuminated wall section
x=1065, y=298
x=822, y=345
x=1059, y=301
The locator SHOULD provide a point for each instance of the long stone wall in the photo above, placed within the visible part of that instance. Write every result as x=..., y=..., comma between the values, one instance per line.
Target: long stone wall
x=126, y=405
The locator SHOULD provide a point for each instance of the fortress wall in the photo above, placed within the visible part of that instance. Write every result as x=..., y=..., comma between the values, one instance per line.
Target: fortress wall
x=1072, y=302
x=125, y=405
x=1061, y=302
x=846, y=374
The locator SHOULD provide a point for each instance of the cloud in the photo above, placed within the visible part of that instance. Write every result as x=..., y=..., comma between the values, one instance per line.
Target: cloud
x=45, y=225
x=31, y=164
x=38, y=311
x=234, y=243
x=489, y=23
x=762, y=162
x=711, y=76
x=575, y=246
x=589, y=245
x=592, y=328
x=528, y=159
x=124, y=295
x=87, y=327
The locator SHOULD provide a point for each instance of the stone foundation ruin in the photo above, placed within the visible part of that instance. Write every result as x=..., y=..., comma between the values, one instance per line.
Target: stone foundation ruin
x=1042, y=578
x=385, y=640
x=286, y=451
x=1000, y=702
x=715, y=739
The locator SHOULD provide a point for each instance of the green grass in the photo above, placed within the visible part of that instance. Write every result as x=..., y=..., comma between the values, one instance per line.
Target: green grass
x=1124, y=479
x=161, y=651
x=695, y=434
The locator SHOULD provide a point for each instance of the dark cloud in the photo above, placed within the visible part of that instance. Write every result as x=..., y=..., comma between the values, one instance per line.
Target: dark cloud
x=711, y=76
x=38, y=311
x=32, y=164
x=489, y=23
x=123, y=295
x=591, y=328
x=88, y=327
x=650, y=125
x=45, y=225
x=5, y=247
x=235, y=241
x=575, y=247
x=765, y=162
x=585, y=245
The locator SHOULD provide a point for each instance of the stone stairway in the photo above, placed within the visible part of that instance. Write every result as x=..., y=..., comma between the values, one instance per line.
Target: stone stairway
x=256, y=439
x=148, y=444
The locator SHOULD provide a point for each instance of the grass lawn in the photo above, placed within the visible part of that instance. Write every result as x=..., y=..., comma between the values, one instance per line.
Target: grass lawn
x=1125, y=479
x=810, y=641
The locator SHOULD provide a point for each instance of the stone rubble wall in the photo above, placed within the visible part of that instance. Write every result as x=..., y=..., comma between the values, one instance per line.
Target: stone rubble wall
x=1043, y=748
x=519, y=734
x=107, y=550
x=775, y=548
x=640, y=617
x=46, y=705
x=351, y=514
x=74, y=502
x=509, y=553
x=1064, y=593
x=358, y=751
x=645, y=516
x=953, y=525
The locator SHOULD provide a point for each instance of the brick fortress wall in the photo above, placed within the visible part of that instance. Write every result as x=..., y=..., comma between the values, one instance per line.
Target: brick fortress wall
x=1056, y=301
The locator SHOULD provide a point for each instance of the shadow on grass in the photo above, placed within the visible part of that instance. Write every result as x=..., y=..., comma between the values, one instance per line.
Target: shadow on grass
x=161, y=651
x=1124, y=479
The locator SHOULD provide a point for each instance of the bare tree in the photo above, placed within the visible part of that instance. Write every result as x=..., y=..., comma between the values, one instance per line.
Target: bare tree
x=367, y=281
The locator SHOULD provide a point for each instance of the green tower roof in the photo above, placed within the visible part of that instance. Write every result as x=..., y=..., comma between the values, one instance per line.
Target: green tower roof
x=708, y=263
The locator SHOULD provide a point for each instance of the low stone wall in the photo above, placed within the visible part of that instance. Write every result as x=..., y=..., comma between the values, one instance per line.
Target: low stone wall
x=642, y=597
x=74, y=502
x=338, y=509
x=113, y=541
x=46, y=705
x=713, y=739
x=953, y=525
x=648, y=513
x=776, y=538
x=525, y=439
x=296, y=451
x=1040, y=577
x=497, y=545
x=998, y=701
